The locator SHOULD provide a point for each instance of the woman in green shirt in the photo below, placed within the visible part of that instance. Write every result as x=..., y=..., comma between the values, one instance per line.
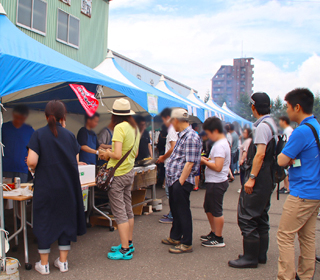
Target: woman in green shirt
x=125, y=137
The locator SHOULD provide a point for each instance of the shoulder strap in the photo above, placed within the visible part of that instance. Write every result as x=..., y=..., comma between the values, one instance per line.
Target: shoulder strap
x=124, y=157
x=272, y=130
x=315, y=134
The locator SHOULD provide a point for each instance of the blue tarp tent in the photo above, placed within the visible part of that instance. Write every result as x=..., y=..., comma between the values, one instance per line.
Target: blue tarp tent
x=33, y=74
x=193, y=108
x=113, y=70
x=239, y=119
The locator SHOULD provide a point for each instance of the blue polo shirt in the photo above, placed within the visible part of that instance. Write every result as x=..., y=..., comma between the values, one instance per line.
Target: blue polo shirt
x=304, y=180
x=15, y=141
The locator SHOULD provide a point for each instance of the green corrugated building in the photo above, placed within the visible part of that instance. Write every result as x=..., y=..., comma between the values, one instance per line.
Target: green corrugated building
x=75, y=28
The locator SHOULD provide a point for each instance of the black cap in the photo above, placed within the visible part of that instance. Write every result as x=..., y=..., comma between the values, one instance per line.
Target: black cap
x=260, y=100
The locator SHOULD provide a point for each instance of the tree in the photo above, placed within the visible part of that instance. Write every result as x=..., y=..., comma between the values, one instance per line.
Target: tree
x=222, y=98
x=278, y=109
x=316, y=106
x=242, y=107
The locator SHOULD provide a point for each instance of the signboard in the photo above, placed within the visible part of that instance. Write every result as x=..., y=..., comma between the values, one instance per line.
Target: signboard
x=152, y=103
x=66, y=1
x=86, y=7
x=87, y=99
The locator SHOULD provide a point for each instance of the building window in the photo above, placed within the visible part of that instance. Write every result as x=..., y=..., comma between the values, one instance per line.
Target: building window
x=229, y=82
x=229, y=88
x=221, y=76
x=243, y=69
x=242, y=89
x=68, y=30
x=229, y=76
x=243, y=76
x=32, y=15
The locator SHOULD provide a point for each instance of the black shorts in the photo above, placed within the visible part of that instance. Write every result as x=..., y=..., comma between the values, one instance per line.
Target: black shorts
x=213, y=200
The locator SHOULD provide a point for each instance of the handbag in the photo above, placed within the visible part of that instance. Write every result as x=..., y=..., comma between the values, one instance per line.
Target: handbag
x=105, y=175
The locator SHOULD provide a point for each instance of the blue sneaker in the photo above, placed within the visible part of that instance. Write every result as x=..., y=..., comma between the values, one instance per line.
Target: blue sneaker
x=166, y=221
x=117, y=248
x=119, y=256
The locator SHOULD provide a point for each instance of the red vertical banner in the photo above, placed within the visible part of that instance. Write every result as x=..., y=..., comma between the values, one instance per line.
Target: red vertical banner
x=86, y=98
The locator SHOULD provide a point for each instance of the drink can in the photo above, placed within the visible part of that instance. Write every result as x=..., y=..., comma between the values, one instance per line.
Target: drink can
x=17, y=182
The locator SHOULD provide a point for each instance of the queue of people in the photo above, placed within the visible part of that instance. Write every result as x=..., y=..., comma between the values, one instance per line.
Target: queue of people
x=53, y=154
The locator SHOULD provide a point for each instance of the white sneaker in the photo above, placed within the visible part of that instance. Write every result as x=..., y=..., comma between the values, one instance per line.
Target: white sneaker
x=63, y=266
x=42, y=269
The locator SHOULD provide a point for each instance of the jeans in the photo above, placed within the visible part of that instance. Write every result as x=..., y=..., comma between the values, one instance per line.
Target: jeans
x=179, y=199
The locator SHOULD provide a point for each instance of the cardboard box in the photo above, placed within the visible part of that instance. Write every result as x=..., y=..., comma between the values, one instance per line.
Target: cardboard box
x=87, y=174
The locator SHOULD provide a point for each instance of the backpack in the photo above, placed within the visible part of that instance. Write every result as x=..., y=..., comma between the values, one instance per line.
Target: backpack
x=279, y=173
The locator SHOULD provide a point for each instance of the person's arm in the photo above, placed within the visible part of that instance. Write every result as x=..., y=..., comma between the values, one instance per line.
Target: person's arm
x=185, y=172
x=117, y=153
x=215, y=166
x=256, y=166
x=32, y=160
x=244, y=155
x=150, y=150
x=168, y=153
x=104, y=146
x=80, y=162
x=87, y=149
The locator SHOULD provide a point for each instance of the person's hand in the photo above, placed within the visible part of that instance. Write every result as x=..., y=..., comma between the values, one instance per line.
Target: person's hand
x=204, y=160
x=292, y=162
x=241, y=162
x=81, y=163
x=161, y=159
x=248, y=186
x=104, y=155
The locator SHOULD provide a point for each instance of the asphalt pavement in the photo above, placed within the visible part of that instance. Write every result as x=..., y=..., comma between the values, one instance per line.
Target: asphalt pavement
x=88, y=258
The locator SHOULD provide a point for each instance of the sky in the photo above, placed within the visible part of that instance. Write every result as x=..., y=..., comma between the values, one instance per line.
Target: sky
x=189, y=40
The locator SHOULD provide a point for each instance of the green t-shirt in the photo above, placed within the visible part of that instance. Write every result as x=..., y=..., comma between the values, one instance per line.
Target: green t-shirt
x=125, y=133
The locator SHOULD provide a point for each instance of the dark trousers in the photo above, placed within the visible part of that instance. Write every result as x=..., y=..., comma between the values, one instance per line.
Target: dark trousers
x=253, y=218
x=179, y=200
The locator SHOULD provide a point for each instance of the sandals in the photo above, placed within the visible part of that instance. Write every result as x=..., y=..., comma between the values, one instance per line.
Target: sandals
x=117, y=248
x=119, y=256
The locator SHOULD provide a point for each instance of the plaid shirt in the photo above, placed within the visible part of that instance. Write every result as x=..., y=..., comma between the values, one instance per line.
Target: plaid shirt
x=187, y=149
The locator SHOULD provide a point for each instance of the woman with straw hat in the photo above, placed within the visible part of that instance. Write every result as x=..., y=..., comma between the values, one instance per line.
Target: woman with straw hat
x=126, y=137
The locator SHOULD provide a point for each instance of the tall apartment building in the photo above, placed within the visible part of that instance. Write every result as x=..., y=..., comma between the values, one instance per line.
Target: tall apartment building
x=232, y=80
x=75, y=28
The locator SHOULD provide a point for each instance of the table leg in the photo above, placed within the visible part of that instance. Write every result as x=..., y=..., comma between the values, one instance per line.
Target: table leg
x=15, y=224
x=28, y=266
x=99, y=211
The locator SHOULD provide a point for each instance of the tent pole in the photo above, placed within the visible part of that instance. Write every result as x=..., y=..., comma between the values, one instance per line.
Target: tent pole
x=3, y=253
x=154, y=195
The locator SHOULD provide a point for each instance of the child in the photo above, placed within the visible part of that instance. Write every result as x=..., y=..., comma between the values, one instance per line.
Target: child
x=216, y=174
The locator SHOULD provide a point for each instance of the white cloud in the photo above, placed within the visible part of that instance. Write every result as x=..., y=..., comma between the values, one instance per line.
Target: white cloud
x=162, y=8
x=276, y=82
x=191, y=49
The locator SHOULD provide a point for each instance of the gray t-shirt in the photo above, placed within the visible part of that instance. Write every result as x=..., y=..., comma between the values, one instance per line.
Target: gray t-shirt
x=105, y=136
x=263, y=133
x=235, y=142
x=220, y=149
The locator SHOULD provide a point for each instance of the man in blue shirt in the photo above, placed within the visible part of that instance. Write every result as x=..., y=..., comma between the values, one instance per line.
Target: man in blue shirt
x=88, y=140
x=15, y=138
x=300, y=210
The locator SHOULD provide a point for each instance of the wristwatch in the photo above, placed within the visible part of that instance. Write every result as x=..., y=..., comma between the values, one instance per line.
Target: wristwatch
x=252, y=176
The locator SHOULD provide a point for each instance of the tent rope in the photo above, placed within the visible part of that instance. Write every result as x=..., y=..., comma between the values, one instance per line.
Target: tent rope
x=100, y=93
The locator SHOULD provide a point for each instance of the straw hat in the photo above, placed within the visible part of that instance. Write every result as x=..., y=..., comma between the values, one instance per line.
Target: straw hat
x=121, y=107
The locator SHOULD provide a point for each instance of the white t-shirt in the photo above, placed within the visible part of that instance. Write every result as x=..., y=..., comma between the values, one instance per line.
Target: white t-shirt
x=171, y=137
x=220, y=149
x=288, y=131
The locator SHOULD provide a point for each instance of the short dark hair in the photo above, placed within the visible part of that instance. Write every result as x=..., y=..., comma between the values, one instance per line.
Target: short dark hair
x=263, y=111
x=227, y=127
x=140, y=119
x=194, y=125
x=302, y=96
x=21, y=110
x=87, y=117
x=166, y=112
x=231, y=126
x=285, y=119
x=213, y=123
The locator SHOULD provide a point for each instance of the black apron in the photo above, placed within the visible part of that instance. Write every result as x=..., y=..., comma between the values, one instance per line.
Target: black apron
x=253, y=218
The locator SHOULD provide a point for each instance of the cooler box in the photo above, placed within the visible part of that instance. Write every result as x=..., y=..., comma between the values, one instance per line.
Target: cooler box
x=87, y=174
